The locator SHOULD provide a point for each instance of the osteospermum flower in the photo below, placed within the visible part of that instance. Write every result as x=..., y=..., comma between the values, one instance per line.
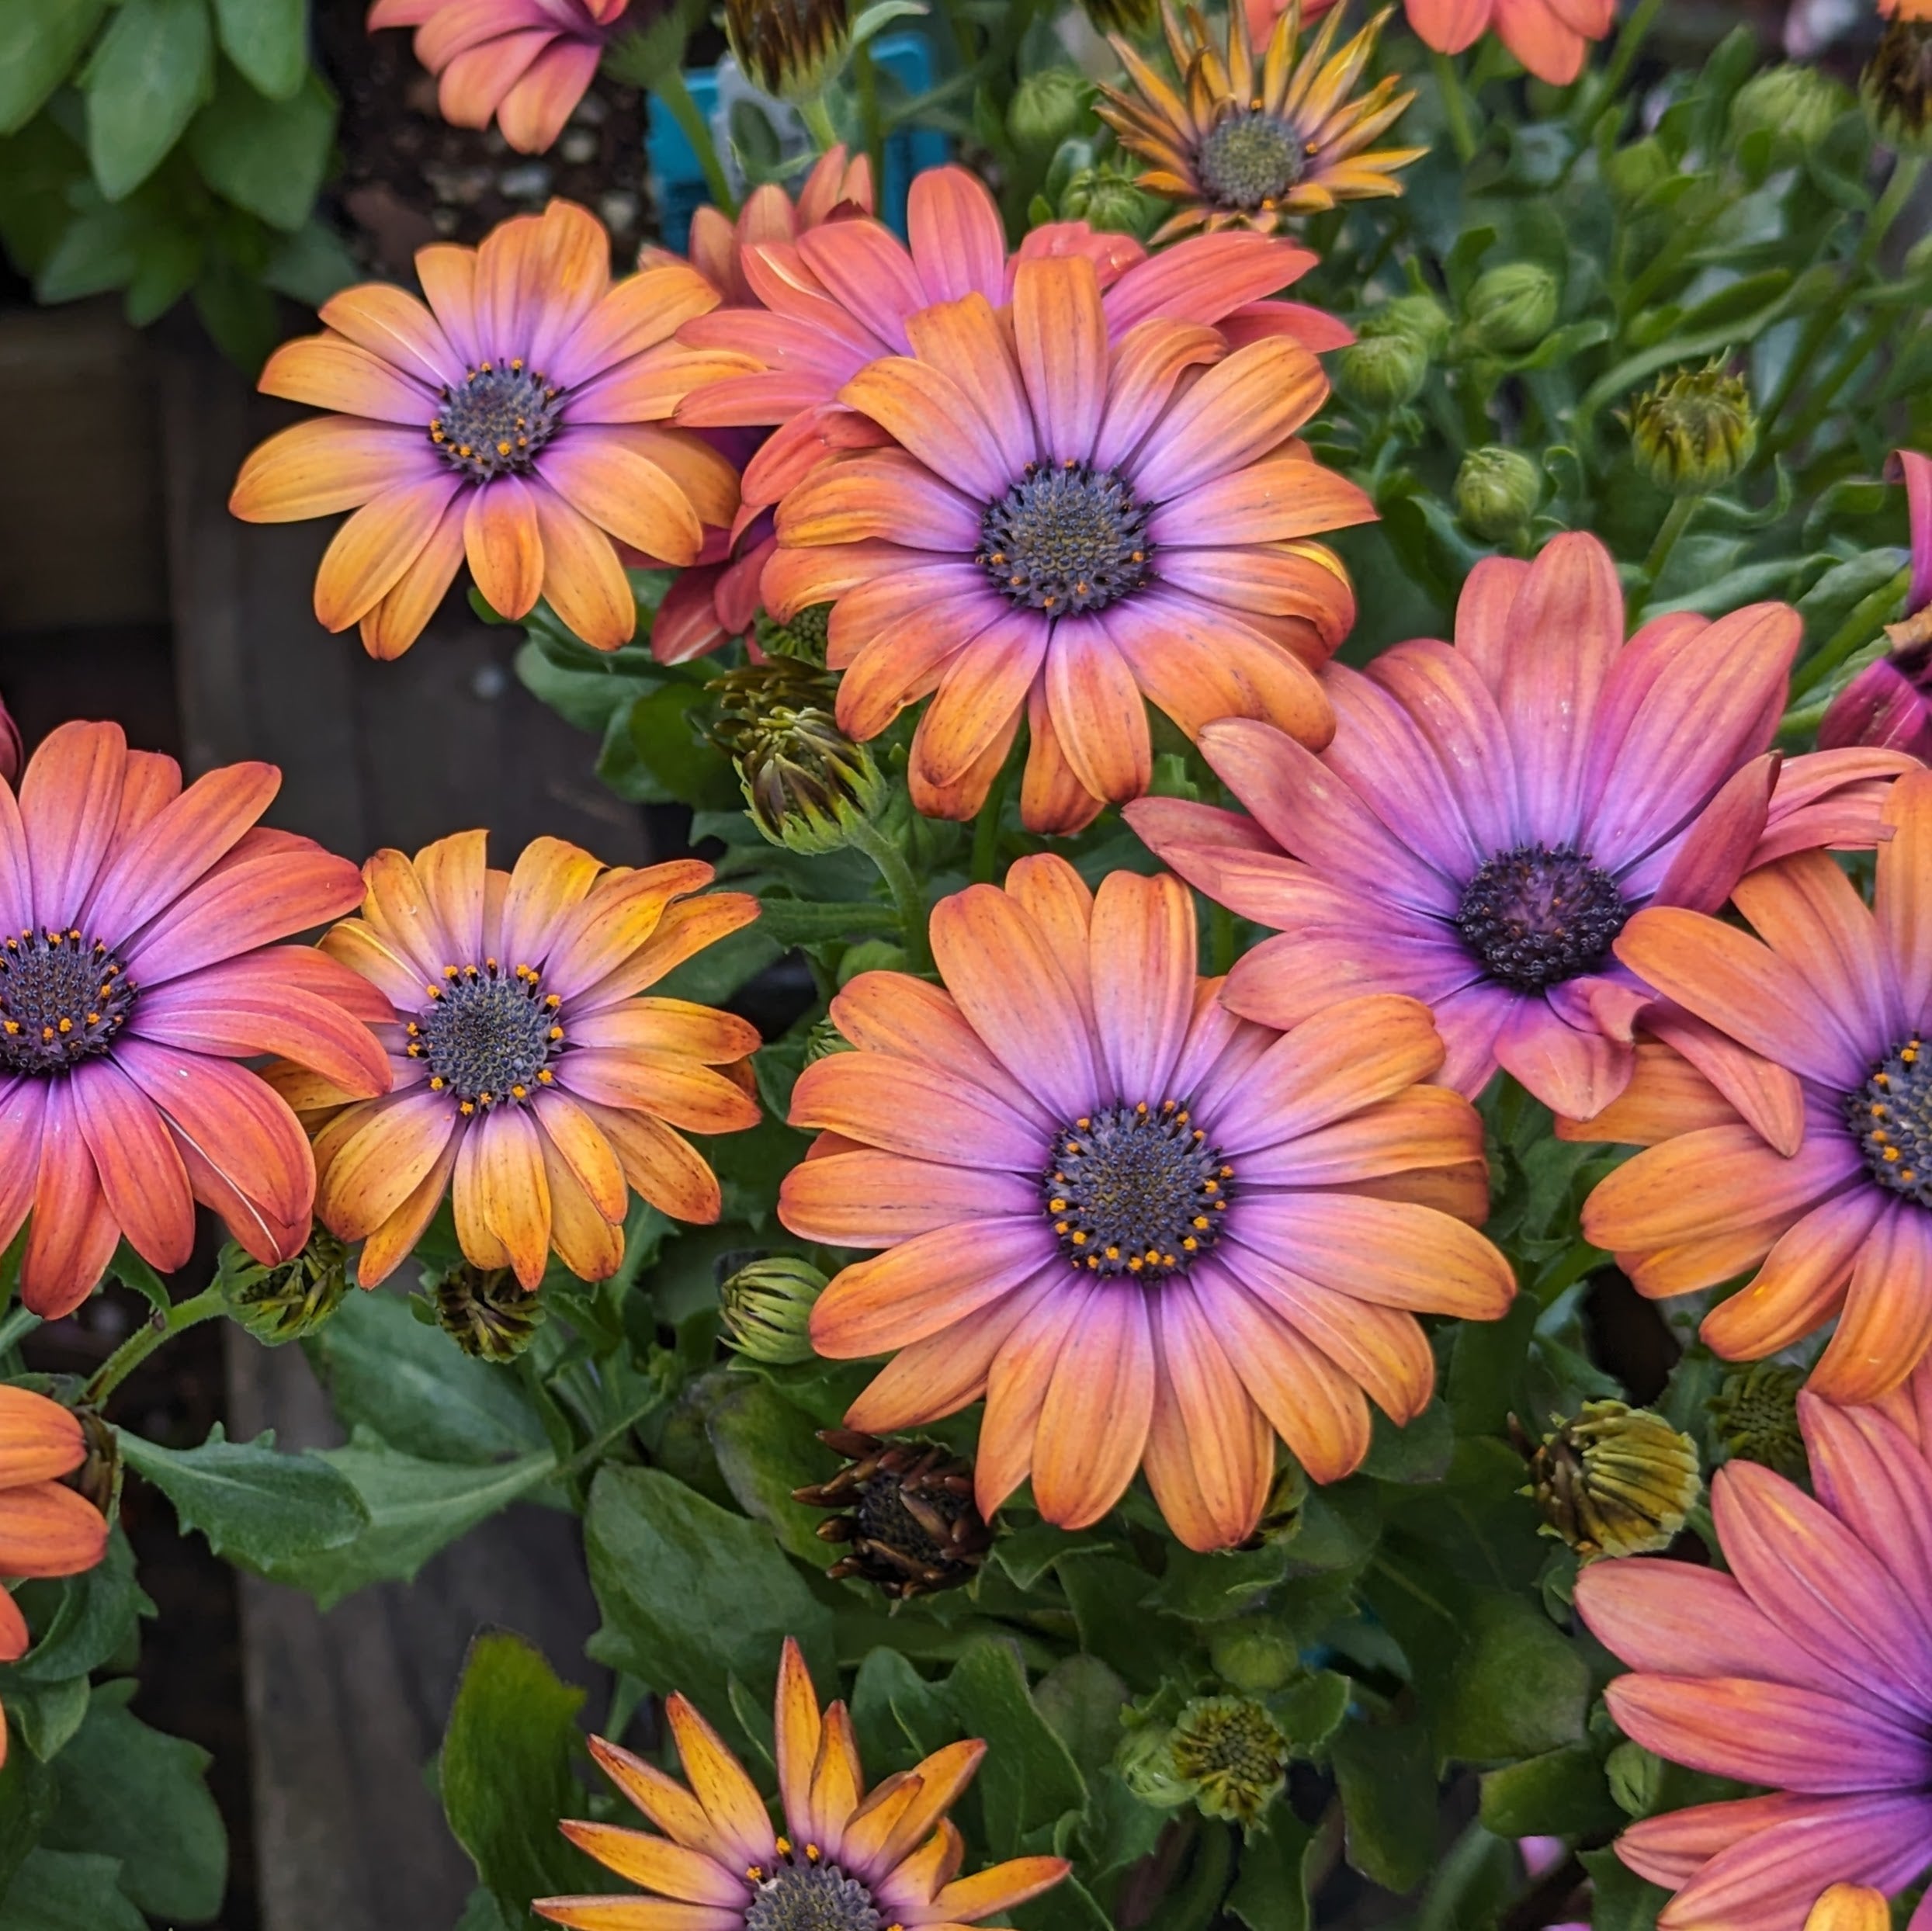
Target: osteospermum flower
x=517, y=420
x=1255, y=136
x=845, y=1861
x=1491, y=813
x=1550, y=38
x=531, y=1081
x=1824, y=1191
x=1060, y=527
x=46, y=1529
x=1806, y=1669
x=524, y=64
x=137, y=965
x=1149, y=1233
x=844, y=295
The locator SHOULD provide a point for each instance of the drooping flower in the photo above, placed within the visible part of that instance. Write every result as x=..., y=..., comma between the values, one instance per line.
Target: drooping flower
x=138, y=963
x=1147, y=1233
x=1806, y=1669
x=532, y=1083
x=1889, y=703
x=46, y=1529
x=523, y=63
x=1491, y=813
x=843, y=295
x=1262, y=129
x=1060, y=528
x=1821, y=1189
x=518, y=420
x=1550, y=38
x=845, y=1861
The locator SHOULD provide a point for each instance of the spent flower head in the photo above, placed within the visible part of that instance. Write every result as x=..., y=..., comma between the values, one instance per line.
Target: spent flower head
x=285, y=1300
x=906, y=1518
x=1614, y=1480
x=485, y=1310
x=1232, y=1755
x=1754, y=1415
x=790, y=48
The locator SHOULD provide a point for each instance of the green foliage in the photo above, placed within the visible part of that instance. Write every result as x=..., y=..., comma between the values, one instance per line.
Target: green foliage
x=68, y=1891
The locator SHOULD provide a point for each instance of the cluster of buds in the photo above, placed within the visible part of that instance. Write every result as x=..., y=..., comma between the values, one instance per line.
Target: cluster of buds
x=766, y=1308
x=1693, y=430
x=290, y=1299
x=907, y=1514
x=1614, y=1481
x=486, y=1312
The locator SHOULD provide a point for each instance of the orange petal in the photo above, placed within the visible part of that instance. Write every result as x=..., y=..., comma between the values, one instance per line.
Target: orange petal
x=368, y=554
x=331, y=463
x=583, y=581
x=730, y=1799
x=46, y=1529
x=1096, y=1413
x=39, y=1439
x=505, y=549
x=797, y=1725
x=668, y=1869
x=515, y=1192
x=587, y=1243
x=664, y=1167
x=622, y=490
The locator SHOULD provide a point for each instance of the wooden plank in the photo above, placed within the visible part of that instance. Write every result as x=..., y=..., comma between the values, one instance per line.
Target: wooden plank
x=346, y=1709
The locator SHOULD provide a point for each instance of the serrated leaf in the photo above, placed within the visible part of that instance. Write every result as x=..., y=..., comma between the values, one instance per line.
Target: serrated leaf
x=40, y=42
x=268, y=41
x=96, y=1611
x=268, y=156
x=1029, y=1779
x=258, y=1508
x=68, y=1891
x=153, y=68
x=44, y=1715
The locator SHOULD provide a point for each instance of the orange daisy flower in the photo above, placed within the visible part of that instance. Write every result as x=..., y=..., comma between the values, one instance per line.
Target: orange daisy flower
x=1811, y=1169
x=1550, y=38
x=1251, y=138
x=46, y=1529
x=138, y=964
x=517, y=420
x=1149, y=1233
x=1058, y=527
x=524, y=63
x=530, y=1081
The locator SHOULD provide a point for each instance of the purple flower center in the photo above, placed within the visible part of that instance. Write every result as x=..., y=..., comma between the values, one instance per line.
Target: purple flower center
x=63, y=998
x=1533, y=917
x=495, y=421
x=1136, y=1190
x=1891, y=1118
x=811, y=1896
x=1066, y=540
x=487, y=1035
x=1249, y=159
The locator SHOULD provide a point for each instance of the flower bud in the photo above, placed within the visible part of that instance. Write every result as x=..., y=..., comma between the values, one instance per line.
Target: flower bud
x=1045, y=108
x=1512, y=308
x=1614, y=1481
x=1232, y=1755
x=1253, y=1655
x=10, y=746
x=1105, y=197
x=907, y=1515
x=1792, y=103
x=1896, y=86
x=1133, y=18
x=1754, y=1414
x=1496, y=492
x=1885, y=706
x=1145, y=1763
x=1635, y=1778
x=1382, y=372
x=290, y=1299
x=1421, y=317
x=788, y=49
x=824, y=1039
x=1693, y=430
x=801, y=638
x=486, y=1313
x=766, y=1308
x=1632, y=172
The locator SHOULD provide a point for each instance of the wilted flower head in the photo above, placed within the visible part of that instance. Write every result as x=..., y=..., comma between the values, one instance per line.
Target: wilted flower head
x=487, y=1311
x=1614, y=1480
x=788, y=49
x=1694, y=429
x=907, y=1515
x=1897, y=85
x=1754, y=1416
x=1232, y=1755
x=766, y=1308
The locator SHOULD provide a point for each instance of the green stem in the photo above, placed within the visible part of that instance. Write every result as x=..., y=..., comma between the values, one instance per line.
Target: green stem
x=1220, y=940
x=204, y=1306
x=1455, y=106
x=1866, y=616
x=669, y=87
x=1623, y=56
x=817, y=118
x=1674, y=526
x=865, y=77
x=16, y=1328
x=1872, y=338
x=986, y=828
x=907, y=898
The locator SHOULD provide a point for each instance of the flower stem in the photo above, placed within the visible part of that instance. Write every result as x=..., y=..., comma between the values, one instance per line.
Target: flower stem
x=669, y=87
x=907, y=899
x=204, y=1306
x=1623, y=56
x=1866, y=616
x=985, y=829
x=817, y=118
x=1455, y=106
x=16, y=1327
x=866, y=78
x=1675, y=524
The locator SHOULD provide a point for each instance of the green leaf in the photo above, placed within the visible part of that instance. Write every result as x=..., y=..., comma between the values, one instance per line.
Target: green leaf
x=1311, y=1711
x=410, y=1384
x=1521, y=1688
x=898, y=1715
x=1388, y=1801
x=766, y=1448
x=27, y=1796
x=1081, y=1699
x=584, y=695
x=265, y=156
x=1271, y=1893
x=1029, y=1779
x=692, y=1594
x=154, y=66
x=1418, y=1453
x=68, y=1891
x=482, y=1913
x=131, y=1272
x=1623, y=1901
x=257, y=1508
x=44, y=1715
x=99, y=249
x=96, y=1613
x=238, y=313
x=505, y=1774
x=665, y=732
x=1561, y=1793
x=411, y=1509
x=267, y=39
x=40, y=42
x=133, y=1794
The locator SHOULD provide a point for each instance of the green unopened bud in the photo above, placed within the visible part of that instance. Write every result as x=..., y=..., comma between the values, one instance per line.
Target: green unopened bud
x=1754, y=1415
x=1421, y=317
x=1045, y=108
x=1133, y=18
x=1632, y=172
x=1614, y=1481
x=789, y=49
x=1233, y=1754
x=1253, y=1655
x=824, y=1039
x=1105, y=197
x=807, y=785
x=1896, y=86
x=1496, y=492
x=1693, y=430
x=1145, y=1763
x=291, y=1298
x=1512, y=308
x=1382, y=372
x=1792, y=103
x=486, y=1312
x=801, y=638
x=1636, y=1779
x=766, y=1308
